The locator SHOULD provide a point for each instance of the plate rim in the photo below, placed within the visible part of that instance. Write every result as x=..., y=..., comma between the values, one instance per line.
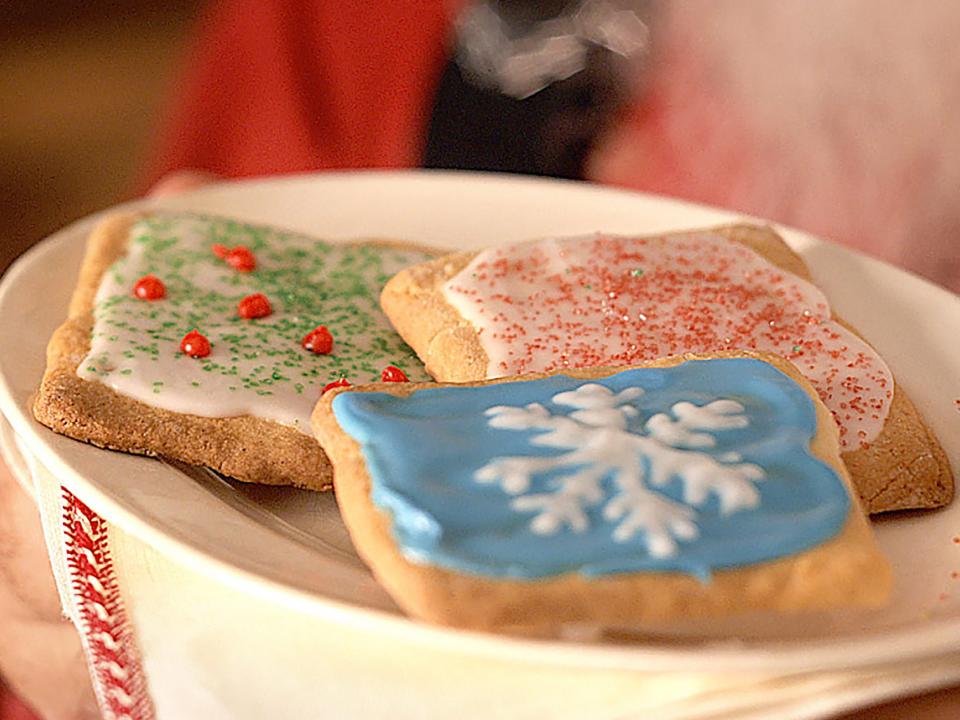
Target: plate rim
x=880, y=646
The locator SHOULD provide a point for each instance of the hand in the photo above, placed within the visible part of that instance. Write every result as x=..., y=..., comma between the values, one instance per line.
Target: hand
x=41, y=658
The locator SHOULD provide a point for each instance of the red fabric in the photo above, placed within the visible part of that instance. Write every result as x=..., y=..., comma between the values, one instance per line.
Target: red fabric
x=277, y=86
x=280, y=86
x=12, y=707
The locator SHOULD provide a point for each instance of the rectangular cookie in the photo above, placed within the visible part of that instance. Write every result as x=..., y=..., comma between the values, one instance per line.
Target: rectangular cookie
x=686, y=487
x=128, y=369
x=610, y=300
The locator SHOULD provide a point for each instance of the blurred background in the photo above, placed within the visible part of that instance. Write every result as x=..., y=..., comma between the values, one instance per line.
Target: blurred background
x=835, y=117
x=82, y=84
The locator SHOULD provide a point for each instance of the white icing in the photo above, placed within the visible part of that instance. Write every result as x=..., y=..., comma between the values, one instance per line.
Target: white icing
x=609, y=300
x=601, y=446
x=718, y=415
x=170, y=380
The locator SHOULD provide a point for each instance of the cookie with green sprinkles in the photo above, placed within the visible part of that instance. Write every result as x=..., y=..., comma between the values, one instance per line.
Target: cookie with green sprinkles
x=210, y=340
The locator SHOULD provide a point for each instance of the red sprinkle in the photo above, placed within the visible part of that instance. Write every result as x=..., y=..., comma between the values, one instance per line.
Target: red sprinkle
x=391, y=373
x=150, y=287
x=319, y=340
x=254, y=306
x=221, y=251
x=241, y=259
x=195, y=344
x=342, y=382
x=696, y=293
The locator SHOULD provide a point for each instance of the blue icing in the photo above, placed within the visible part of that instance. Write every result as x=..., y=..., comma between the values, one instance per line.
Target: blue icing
x=424, y=453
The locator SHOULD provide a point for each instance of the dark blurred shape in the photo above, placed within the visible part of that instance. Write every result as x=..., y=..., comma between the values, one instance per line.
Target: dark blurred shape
x=18, y=18
x=82, y=84
x=531, y=86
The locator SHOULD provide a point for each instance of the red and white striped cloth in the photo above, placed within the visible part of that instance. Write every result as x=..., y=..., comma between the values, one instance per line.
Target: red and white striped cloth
x=96, y=608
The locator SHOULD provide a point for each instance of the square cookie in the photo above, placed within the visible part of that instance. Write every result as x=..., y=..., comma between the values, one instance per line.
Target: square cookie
x=600, y=300
x=687, y=487
x=197, y=338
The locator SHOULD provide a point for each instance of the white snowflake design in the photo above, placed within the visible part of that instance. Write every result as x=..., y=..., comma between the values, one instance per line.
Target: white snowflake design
x=601, y=445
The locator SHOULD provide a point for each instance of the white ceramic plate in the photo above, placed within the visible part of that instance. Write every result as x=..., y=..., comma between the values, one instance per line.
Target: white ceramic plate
x=291, y=544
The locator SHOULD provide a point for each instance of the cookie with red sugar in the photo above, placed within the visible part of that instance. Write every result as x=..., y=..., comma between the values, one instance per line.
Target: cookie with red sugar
x=605, y=300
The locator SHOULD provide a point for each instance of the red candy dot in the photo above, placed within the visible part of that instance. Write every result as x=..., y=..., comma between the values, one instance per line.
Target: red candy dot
x=241, y=259
x=391, y=373
x=195, y=345
x=221, y=251
x=149, y=287
x=342, y=382
x=319, y=340
x=254, y=306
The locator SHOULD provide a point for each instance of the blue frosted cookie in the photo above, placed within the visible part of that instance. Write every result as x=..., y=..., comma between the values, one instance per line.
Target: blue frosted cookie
x=697, y=485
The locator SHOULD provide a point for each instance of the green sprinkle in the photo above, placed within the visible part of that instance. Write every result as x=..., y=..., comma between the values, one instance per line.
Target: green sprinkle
x=308, y=282
x=636, y=272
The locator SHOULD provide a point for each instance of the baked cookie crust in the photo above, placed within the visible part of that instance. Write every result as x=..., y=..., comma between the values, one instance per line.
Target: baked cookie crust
x=245, y=447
